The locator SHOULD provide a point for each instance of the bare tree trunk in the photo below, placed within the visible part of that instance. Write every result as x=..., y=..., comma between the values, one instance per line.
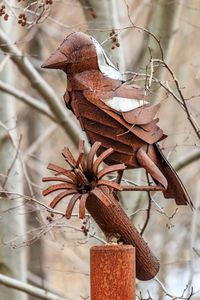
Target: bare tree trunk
x=163, y=24
x=36, y=250
x=12, y=261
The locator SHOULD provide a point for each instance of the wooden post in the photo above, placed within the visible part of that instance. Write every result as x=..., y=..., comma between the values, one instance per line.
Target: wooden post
x=112, y=272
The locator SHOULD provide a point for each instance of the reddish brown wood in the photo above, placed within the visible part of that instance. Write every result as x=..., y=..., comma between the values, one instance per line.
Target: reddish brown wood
x=112, y=272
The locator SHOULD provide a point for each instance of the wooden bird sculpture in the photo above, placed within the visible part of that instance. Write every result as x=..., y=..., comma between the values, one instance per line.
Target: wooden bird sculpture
x=114, y=113
x=118, y=116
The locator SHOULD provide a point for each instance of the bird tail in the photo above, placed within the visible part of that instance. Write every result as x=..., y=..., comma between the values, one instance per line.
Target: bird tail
x=175, y=188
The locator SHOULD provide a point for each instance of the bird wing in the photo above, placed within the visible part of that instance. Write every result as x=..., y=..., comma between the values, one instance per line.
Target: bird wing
x=125, y=98
x=108, y=95
x=131, y=102
x=149, y=132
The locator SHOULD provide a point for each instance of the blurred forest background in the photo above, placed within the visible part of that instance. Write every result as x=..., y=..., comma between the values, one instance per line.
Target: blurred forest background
x=158, y=42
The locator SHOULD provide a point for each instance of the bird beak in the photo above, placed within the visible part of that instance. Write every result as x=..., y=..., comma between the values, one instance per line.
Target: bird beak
x=55, y=61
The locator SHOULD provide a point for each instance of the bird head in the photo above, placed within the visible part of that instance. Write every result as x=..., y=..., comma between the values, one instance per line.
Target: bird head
x=75, y=51
x=80, y=52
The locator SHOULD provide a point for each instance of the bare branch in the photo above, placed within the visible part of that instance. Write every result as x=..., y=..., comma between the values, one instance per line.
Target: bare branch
x=194, y=237
x=34, y=103
x=196, y=129
x=13, y=162
x=90, y=234
x=173, y=296
x=179, y=98
x=40, y=140
x=145, y=30
x=35, y=280
x=28, y=198
x=185, y=161
x=28, y=288
x=26, y=68
x=148, y=208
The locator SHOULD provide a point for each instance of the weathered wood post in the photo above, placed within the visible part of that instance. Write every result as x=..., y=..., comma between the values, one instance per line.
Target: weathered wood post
x=112, y=272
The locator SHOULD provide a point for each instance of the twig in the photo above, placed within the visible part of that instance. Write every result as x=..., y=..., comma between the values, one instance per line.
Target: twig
x=145, y=30
x=181, y=100
x=173, y=296
x=137, y=211
x=13, y=162
x=91, y=235
x=148, y=208
x=49, y=209
x=40, y=140
x=197, y=130
x=20, y=157
x=193, y=235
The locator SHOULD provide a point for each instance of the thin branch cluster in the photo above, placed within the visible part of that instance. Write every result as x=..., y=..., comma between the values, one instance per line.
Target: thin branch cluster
x=26, y=14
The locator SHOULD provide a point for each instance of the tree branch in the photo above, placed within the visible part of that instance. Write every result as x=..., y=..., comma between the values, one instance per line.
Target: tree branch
x=148, y=208
x=4, y=192
x=27, y=69
x=28, y=288
x=195, y=127
x=190, y=158
x=173, y=297
x=34, y=103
